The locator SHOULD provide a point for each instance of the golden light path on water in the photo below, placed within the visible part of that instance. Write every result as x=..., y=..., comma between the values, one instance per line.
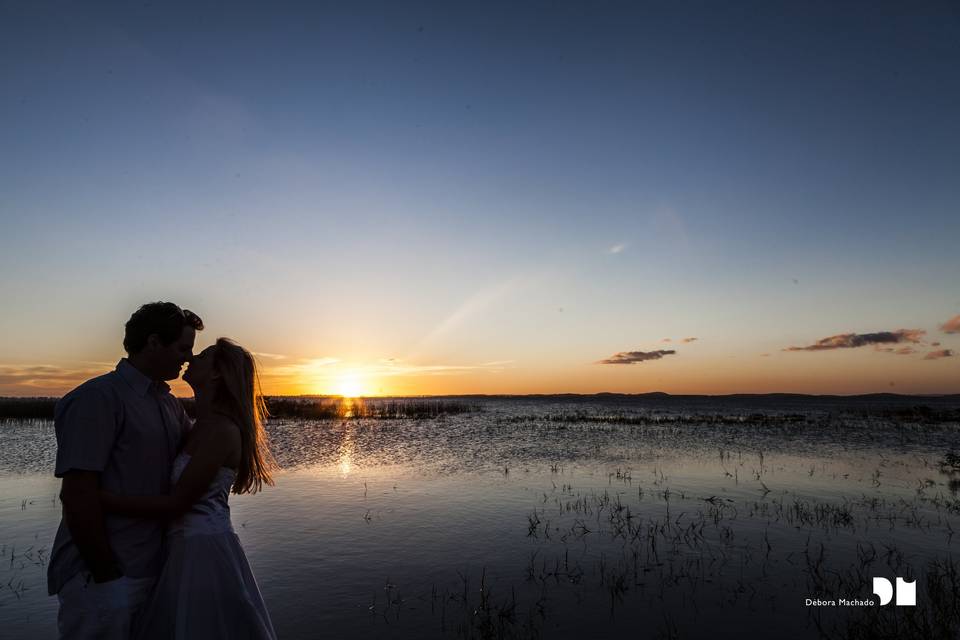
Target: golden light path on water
x=346, y=453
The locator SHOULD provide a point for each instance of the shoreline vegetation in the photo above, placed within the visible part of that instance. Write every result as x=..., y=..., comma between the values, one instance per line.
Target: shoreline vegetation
x=296, y=407
x=928, y=409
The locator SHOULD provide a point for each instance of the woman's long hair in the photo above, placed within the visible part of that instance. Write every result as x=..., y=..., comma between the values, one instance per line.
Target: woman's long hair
x=238, y=396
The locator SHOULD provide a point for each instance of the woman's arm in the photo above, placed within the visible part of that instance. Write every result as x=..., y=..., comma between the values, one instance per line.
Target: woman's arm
x=217, y=440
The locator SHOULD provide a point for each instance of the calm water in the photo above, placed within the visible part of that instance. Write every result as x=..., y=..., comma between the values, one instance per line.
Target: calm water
x=547, y=518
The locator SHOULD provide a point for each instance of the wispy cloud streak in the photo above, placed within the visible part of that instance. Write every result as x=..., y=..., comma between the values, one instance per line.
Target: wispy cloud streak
x=44, y=379
x=399, y=368
x=324, y=372
x=474, y=305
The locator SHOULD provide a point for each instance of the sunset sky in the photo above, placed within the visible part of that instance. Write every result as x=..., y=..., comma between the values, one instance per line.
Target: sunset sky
x=440, y=198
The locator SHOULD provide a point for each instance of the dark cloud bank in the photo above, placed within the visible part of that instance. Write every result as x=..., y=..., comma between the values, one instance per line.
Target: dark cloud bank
x=853, y=340
x=630, y=357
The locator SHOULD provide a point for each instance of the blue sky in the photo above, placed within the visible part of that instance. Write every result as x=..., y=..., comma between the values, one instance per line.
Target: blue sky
x=433, y=182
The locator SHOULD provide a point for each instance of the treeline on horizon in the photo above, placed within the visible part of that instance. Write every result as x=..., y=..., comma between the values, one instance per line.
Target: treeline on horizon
x=903, y=407
x=303, y=407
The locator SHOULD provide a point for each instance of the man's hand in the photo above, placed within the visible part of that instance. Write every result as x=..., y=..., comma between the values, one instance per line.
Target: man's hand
x=80, y=494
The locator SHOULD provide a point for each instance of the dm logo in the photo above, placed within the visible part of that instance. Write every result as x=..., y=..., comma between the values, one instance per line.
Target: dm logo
x=906, y=592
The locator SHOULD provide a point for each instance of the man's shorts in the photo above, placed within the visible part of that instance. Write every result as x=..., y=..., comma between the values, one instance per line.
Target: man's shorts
x=106, y=610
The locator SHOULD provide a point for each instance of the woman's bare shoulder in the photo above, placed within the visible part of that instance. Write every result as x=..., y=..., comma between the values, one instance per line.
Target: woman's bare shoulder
x=221, y=433
x=217, y=426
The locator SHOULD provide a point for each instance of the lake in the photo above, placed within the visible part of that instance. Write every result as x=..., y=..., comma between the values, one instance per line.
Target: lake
x=561, y=517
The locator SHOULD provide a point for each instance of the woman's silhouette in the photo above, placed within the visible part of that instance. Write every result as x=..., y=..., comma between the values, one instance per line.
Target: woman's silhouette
x=206, y=588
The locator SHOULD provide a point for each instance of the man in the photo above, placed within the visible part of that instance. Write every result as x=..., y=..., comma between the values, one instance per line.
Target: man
x=118, y=432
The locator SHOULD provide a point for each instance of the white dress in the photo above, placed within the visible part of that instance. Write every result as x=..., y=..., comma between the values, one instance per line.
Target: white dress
x=206, y=588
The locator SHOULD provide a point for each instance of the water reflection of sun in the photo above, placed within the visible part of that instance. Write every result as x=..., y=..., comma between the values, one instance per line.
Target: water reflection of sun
x=347, y=450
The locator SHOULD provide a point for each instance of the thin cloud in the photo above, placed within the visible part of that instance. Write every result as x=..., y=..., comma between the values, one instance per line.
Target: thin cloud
x=902, y=351
x=324, y=373
x=294, y=371
x=401, y=368
x=630, y=357
x=854, y=340
x=44, y=379
x=666, y=340
x=306, y=364
x=934, y=344
x=951, y=326
x=942, y=353
x=269, y=356
x=477, y=303
x=384, y=367
x=617, y=248
x=688, y=340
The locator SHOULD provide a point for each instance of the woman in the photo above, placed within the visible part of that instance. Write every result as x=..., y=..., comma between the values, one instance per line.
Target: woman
x=206, y=589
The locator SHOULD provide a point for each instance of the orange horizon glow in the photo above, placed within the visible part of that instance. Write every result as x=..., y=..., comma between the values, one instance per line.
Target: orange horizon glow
x=834, y=373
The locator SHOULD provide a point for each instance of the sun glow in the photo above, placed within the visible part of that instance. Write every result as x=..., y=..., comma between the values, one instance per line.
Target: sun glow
x=351, y=385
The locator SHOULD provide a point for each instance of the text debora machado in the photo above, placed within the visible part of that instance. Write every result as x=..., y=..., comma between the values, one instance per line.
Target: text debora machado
x=840, y=602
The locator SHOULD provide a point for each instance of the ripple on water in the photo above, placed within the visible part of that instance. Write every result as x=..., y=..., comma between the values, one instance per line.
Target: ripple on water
x=559, y=518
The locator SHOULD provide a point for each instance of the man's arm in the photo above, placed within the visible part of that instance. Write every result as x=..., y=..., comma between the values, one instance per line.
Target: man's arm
x=215, y=442
x=86, y=432
x=80, y=493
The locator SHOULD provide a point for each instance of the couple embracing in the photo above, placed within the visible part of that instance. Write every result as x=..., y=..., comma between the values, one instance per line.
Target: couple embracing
x=145, y=548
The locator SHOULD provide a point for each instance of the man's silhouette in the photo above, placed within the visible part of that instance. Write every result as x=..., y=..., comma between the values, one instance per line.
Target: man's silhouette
x=118, y=432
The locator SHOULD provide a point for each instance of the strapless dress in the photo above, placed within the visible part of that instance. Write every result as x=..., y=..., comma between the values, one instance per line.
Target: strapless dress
x=206, y=589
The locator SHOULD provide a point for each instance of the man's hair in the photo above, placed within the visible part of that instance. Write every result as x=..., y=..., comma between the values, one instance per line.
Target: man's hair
x=165, y=319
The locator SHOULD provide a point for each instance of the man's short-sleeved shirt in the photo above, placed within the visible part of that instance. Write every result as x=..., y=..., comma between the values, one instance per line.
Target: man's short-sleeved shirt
x=127, y=427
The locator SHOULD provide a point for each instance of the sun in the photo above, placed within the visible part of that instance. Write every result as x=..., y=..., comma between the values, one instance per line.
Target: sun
x=351, y=385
